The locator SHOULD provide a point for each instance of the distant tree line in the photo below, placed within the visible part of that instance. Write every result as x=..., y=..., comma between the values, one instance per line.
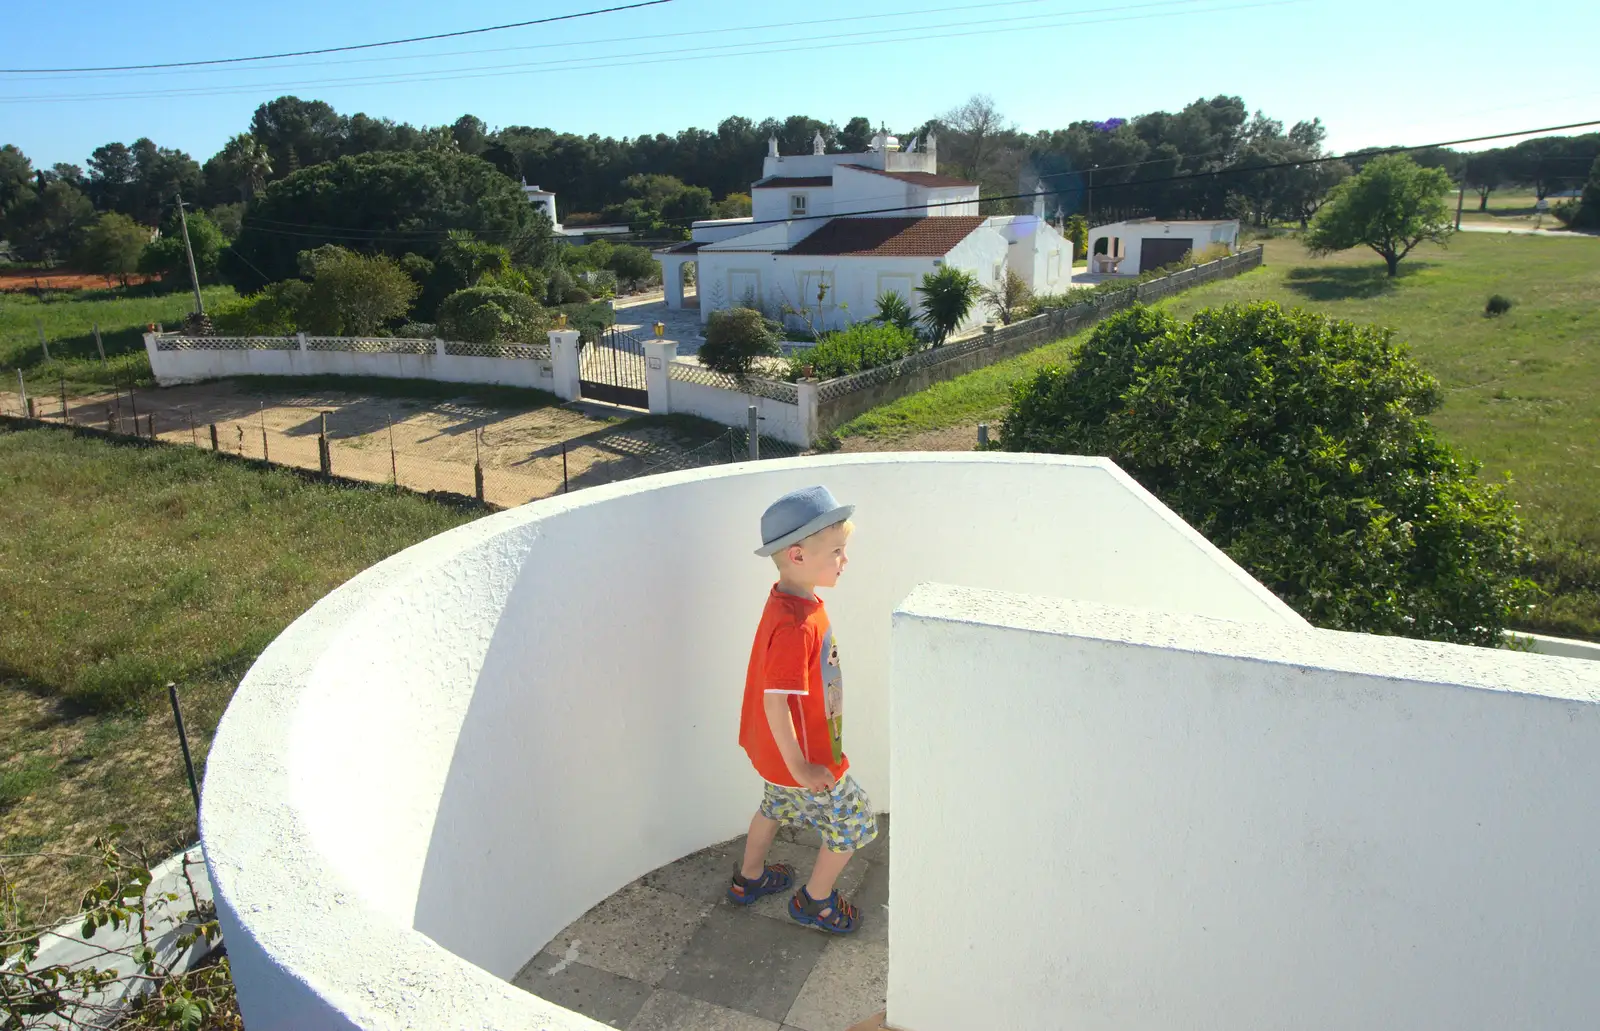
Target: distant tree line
x=1205, y=160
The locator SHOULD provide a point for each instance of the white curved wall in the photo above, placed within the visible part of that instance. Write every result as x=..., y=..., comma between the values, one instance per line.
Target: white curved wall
x=454, y=755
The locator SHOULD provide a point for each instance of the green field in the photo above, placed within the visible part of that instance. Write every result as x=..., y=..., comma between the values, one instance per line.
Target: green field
x=1522, y=392
x=69, y=317
x=124, y=567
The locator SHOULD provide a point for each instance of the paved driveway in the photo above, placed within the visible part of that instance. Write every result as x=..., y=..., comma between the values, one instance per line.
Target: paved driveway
x=683, y=325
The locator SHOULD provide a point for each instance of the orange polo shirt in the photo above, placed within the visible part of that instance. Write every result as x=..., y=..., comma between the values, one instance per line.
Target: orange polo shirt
x=794, y=655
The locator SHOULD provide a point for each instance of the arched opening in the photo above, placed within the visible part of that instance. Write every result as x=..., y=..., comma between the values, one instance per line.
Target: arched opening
x=688, y=279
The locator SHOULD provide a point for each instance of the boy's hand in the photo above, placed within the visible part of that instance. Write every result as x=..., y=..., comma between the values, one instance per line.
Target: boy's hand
x=813, y=777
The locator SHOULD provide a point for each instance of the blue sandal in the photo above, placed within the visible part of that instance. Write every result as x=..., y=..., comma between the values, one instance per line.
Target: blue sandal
x=774, y=878
x=843, y=918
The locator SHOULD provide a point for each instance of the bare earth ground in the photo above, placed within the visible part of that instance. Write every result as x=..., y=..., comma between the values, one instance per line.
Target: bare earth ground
x=28, y=280
x=435, y=441
x=963, y=437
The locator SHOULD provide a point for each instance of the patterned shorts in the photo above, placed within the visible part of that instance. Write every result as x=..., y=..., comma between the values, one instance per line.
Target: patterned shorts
x=842, y=816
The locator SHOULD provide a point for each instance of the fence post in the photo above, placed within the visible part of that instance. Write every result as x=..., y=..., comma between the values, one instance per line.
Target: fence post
x=563, y=467
x=806, y=398
x=214, y=445
x=150, y=426
x=477, y=464
x=752, y=418
x=98, y=346
x=394, y=467
x=261, y=413
x=110, y=424
x=301, y=338
x=30, y=408
x=564, y=364
x=134, y=407
x=324, y=457
x=66, y=420
x=183, y=742
x=658, y=355
x=983, y=435
x=43, y=343
x=22, y=387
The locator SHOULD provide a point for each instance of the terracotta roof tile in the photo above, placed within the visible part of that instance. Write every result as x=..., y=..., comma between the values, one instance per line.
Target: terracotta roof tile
x=926, y=237
x=793, y=182
x=916, y=178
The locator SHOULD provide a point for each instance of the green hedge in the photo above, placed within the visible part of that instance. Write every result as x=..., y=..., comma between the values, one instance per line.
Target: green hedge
x=864, y=345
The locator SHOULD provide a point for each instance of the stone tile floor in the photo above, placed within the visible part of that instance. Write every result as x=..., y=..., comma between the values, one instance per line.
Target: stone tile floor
x=669, y=952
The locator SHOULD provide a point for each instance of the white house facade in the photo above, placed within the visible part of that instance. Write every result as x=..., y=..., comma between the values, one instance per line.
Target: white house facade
x=1142, y=244
x=831, y=233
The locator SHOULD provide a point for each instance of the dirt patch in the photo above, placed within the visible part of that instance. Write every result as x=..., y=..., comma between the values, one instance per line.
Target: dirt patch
x=22, y=279
x=951, y=438
x=425, y=444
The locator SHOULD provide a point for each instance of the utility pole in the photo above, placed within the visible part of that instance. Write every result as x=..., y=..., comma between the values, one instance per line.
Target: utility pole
x=194, y=277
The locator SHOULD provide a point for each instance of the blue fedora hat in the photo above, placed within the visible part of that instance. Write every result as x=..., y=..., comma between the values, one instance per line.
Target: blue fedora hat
x=797, y=515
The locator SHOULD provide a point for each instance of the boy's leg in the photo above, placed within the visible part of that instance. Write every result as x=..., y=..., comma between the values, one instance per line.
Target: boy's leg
x=763, y=832
x=828, y=867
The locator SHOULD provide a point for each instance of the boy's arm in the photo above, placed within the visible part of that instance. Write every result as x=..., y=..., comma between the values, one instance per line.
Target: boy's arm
x=810, y=775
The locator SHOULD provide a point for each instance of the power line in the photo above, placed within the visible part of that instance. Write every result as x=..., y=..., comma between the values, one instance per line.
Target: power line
x=699, y=54
x=338, y=50
x=336, y=232
x=920, y=13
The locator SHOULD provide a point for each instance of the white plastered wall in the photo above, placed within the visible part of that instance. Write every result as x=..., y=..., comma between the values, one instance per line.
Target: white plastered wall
x=447, y=760
x=1206, y=825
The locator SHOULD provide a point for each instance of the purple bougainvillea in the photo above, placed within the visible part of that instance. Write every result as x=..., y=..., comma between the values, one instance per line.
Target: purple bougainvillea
x=1110, y=124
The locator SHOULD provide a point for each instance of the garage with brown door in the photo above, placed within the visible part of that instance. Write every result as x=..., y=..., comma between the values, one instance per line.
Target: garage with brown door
x=1156, y=251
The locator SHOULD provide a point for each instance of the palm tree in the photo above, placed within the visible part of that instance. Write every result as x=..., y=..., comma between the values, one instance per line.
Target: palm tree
x=947, y=296
x=249, y=163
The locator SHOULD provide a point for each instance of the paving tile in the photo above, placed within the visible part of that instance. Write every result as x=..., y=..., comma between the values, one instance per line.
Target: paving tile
x=849, y=983
x=740, y=961
x=873, y=898
x=669, y=1011
x=595, y=993
x=702, y=875
x=636, y=933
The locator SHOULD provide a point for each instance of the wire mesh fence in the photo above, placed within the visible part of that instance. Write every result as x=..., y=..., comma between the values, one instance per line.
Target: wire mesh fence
x=501, y=459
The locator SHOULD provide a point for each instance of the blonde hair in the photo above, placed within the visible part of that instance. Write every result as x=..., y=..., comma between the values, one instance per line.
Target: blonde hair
x=780, y=556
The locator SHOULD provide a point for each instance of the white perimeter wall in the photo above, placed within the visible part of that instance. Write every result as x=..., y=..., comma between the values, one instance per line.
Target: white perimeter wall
x=190, y=366
x=779, y=420
x=452, y=757
x=1201, y=824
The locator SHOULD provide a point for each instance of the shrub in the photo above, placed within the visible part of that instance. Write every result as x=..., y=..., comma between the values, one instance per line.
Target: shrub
x=1299, y=445
x=634, y=266
x=557, y=285
x=1498, y=304
x=273, y=311
x=600, y=282
x=353, y=294
x=590, y=319
x=1008, y=298
x=865, y=345
x=417, y=331
x=1076, y=229
x=735, y=338
x=576, y=295
x=487, y=314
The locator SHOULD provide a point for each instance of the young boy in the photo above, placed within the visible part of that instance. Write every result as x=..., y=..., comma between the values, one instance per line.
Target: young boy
x=793, y=713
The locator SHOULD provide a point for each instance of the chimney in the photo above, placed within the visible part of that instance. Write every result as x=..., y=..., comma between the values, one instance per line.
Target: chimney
x=772, y=146
x=817, y=144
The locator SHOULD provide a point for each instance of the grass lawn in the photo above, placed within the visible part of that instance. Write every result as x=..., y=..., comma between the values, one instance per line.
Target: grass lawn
x=1522, y=392
x=69, y=318
x=124, y=567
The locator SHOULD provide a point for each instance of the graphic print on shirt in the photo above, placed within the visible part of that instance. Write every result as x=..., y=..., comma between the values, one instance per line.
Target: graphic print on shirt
x=833, y=694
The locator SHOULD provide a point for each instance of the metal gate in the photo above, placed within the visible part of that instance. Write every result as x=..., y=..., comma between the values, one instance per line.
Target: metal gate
x=612, y=369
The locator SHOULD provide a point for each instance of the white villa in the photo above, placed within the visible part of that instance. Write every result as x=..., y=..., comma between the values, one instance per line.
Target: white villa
x=852, y=227
x=1141, y=244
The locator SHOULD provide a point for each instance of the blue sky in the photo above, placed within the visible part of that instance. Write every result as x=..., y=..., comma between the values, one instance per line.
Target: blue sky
x=1376, y=71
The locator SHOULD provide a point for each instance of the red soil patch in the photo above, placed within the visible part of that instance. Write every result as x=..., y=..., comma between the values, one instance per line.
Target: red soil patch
x=23, y=279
